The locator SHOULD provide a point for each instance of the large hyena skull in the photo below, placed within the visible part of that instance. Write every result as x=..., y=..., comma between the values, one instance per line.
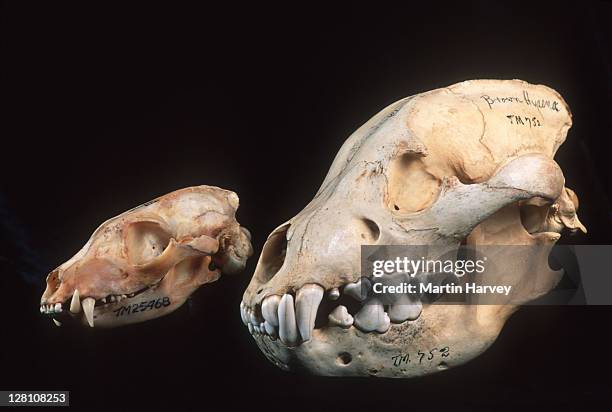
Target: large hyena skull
x=468, y=163
x=146, y=262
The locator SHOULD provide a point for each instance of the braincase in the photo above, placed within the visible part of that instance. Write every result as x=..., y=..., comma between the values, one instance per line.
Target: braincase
x=470, y=128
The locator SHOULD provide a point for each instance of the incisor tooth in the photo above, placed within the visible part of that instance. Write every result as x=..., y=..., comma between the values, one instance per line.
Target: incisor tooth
x=307, y=302
x=287, y=328
x=88, y=309
x=243, y=314
x=340, y=317
x=57, y=322
x=269, y=309
x=372, y=317
x=270, y=330
x=75, y=303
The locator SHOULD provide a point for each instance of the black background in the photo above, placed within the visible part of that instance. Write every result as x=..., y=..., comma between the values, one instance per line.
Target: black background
x=107, y=107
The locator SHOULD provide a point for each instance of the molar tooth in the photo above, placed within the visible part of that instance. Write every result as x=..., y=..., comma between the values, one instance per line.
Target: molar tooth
x=307, y=302
x=372, y=317
x=58, y=307
x=287, y=328
x=88, y=309
x=405, y=309
x=75, y=303
x=269, y=309
x=340, y=317
x=333, y=294
x=355, y=290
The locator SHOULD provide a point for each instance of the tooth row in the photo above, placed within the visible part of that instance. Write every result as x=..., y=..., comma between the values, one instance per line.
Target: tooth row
x=292, y=320
x=51, y=308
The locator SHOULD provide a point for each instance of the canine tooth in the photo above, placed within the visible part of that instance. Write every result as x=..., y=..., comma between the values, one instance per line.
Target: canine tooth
x=333, y=294
x=287, y=328
x=75, y=303
x=356, y=290
x=88, y=309
x=269, y=309
x=405, y=309
x=372, y=317
x=58, y=307
x=57, y=322
x=340, y=317
x=270, y=330
x=307, y=302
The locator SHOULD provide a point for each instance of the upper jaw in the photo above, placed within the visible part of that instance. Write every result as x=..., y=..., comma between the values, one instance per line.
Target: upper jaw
x=293, y=317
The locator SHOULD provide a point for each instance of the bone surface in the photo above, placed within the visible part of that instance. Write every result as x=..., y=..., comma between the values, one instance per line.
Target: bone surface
x=146, y=262
x=471, y=163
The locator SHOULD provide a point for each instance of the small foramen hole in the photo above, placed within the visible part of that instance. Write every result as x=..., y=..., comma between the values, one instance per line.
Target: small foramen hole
x=396, y=207
x=373, y=230
x=442, y=366
x=344, y=358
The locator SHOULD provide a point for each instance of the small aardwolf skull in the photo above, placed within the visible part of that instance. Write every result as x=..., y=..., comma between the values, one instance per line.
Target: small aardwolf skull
x=146, y=262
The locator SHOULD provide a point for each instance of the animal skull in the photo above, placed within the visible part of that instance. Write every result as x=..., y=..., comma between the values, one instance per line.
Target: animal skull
x=146, y=262
x=471, y=162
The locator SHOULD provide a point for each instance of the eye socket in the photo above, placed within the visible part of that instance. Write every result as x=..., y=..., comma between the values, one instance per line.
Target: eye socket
x=273, y=254
x=144, y=241
x=411, y=187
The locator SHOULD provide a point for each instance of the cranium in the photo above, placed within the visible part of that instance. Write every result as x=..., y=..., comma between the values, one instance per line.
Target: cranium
x=467, y=163
x=146, y=262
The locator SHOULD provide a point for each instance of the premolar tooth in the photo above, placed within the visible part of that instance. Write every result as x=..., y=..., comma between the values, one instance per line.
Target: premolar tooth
x=333, y=294
x=340, y=317
x=357, y=291
x=58, y=307
x=307, y=302
x=405, y=309
x=88, y=309
x=269, y=309
x=287, y=328
x=75, y=303
x=372, y=317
